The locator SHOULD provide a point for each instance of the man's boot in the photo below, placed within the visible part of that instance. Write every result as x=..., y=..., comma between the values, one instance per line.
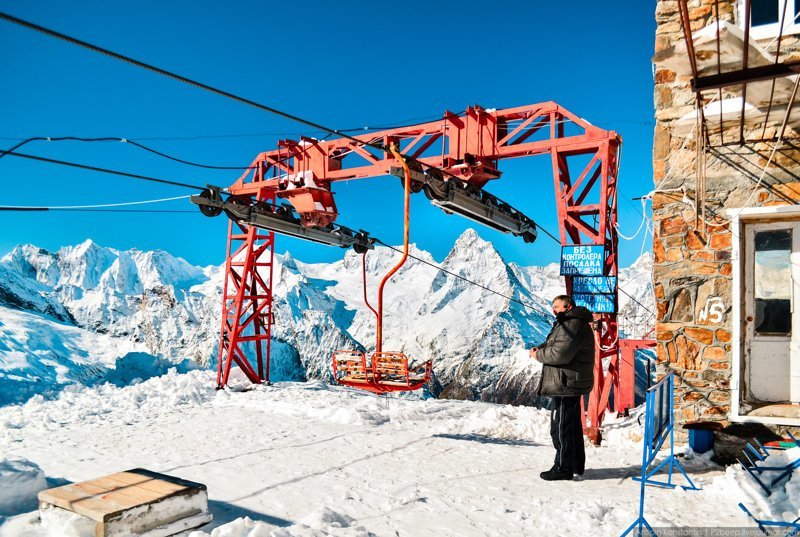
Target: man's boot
x=556, y=474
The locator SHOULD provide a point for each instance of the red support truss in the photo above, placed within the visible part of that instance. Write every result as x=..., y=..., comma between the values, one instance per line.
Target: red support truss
x=468, y=146
x=585, y=178
x=247, y=303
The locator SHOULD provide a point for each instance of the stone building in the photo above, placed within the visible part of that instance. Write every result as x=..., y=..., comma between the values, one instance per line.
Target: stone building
x=726, y=159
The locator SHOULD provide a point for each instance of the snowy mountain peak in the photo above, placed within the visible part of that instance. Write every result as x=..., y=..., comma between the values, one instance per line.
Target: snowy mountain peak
x=158, y=268
x=645, y=262
x=32, y=262
x=470, y=246
x=470, y=240
x=469, y=235
x=87, y=245
x=83, y=265
x=477, y=260
x=287, y=260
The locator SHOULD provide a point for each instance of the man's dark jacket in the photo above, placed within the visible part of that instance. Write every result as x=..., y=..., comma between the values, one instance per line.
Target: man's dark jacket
x=568, y=355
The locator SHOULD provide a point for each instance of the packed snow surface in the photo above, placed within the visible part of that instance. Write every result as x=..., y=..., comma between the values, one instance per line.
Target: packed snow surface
x=307, y=459
x=20, y=481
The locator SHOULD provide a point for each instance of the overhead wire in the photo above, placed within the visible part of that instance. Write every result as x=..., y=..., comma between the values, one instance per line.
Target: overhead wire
x=123, y=140
x=636, y=301
x=548, y=234
x=179, y=78
x=57, y=209
x=96, y=206
x=101, y=170
x=205, y=87
x=460, y=277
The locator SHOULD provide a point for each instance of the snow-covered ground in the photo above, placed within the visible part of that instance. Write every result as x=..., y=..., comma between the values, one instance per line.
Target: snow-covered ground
x=308, y=459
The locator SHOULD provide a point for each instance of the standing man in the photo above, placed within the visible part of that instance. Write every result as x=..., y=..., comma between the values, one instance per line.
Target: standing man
x=567, y=375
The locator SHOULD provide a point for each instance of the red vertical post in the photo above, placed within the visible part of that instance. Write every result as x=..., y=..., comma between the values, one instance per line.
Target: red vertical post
x=247, y=303
x=624, y=399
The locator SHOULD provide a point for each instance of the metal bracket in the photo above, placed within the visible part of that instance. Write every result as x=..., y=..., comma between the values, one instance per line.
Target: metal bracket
x=455, y=196
x=279, y=219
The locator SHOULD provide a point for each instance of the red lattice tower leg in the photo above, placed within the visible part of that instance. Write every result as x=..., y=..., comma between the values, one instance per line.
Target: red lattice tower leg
x=247, y=304
x=587, y=206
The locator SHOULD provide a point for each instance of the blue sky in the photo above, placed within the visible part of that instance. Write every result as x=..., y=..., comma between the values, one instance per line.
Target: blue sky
x=342, y=64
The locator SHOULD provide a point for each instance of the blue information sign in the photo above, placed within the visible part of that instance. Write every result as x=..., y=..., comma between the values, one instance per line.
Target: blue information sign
x=582, y=260
x=596, y=303
x=594, y=284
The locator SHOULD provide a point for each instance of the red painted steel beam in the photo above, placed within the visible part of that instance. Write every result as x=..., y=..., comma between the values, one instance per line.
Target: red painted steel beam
x=486, y=134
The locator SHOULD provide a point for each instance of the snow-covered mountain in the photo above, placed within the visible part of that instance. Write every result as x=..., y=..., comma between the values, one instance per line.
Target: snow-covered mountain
x=636, y=298
x=107, y=303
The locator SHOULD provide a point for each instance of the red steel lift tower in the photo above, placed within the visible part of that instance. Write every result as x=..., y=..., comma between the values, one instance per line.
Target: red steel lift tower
x=452, y=160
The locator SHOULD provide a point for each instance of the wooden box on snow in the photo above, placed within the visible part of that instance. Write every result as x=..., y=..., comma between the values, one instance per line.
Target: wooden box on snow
x=134, y=502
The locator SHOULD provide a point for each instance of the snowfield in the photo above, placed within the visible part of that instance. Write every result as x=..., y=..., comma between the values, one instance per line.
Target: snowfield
x=307, y=459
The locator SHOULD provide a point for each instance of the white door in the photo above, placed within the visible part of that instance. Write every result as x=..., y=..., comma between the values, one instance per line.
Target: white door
x=772, y=288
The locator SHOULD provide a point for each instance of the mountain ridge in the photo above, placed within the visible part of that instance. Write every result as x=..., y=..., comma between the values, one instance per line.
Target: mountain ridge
x=166, y=307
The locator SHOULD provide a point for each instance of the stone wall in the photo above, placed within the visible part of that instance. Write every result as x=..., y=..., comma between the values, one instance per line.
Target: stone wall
x=692, y=260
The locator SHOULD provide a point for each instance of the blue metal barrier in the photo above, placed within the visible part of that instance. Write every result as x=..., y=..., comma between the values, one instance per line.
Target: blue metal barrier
x=763, y=524
x=755, y=455
x=760, y=454
x=659, y=425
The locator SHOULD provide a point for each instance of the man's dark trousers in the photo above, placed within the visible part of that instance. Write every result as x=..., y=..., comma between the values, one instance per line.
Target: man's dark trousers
x=566, y=430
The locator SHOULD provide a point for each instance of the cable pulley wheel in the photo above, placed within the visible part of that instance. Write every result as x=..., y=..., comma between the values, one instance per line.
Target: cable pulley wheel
x=239, y=203
x=210, y=210
x=358, y=247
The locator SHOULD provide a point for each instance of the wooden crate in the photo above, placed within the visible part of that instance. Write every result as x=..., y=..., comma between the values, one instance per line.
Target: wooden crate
x=134, y=502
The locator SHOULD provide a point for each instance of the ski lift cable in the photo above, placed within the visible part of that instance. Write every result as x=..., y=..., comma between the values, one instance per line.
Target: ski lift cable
x=56, y=209
x=102, y=170
x=492, y=290
x=434, y=265
x=169, y=74
x=397, y=125
x=200, y=85
x=96, y=206
x=134, y=143
x=636, y=301
x=123, y=140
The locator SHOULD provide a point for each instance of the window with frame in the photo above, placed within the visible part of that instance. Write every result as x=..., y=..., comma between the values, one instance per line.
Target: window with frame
x=765, y=17
x=772, y=276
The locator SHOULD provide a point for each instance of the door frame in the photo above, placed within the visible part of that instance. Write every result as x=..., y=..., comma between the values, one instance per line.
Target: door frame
x=739, y=219
x=750, y=336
